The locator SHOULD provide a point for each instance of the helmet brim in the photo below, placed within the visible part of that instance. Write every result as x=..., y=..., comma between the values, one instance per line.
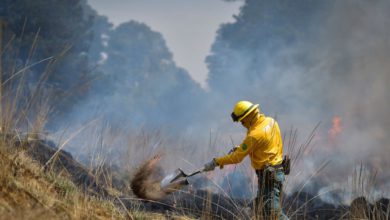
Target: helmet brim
x=238, y=119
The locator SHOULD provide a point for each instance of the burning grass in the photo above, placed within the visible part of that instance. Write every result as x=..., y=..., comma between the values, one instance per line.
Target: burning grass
x=146, y=181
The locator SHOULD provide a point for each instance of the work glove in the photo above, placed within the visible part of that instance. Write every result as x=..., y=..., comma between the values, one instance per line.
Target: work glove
x=210, y=165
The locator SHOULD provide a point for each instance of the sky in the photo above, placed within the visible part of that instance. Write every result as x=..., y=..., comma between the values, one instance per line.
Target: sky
x=188, y=26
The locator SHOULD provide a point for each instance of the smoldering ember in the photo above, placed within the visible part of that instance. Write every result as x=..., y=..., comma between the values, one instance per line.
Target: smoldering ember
x=225, y=109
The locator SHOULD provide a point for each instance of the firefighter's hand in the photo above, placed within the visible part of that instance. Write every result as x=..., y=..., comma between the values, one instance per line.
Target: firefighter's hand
x=210, y=165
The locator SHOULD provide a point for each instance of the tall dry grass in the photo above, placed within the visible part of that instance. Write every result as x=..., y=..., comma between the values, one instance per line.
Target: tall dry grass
x=28, y=191
x=359, y=209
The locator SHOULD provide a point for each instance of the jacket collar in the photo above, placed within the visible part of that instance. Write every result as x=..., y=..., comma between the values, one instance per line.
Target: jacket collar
x=256, y=122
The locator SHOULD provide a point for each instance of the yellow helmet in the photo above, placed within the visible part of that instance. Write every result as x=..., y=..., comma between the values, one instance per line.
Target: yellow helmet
x=242, y=109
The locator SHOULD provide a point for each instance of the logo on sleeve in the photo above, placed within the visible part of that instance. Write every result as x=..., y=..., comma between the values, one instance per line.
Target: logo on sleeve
x=244, y=147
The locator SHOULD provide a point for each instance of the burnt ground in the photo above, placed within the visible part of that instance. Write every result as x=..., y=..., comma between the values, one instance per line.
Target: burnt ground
x=194, y=203
x=297, y=206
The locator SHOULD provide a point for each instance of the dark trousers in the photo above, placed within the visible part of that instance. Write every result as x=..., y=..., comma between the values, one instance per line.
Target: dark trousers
x=268, y=195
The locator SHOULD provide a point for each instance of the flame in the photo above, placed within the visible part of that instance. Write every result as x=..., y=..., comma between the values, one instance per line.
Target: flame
x=336, y=129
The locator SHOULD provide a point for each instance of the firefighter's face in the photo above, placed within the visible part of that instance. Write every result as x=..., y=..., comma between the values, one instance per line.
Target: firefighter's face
x=246, y=122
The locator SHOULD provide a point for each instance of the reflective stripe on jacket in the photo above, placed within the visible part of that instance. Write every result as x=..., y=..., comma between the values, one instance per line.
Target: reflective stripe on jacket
x=263, y=143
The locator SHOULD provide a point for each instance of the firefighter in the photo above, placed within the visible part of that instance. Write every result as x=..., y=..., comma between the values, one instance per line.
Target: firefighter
x=263, y=144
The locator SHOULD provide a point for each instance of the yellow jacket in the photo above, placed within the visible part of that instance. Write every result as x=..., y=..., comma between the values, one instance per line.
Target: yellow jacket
x=263, y=143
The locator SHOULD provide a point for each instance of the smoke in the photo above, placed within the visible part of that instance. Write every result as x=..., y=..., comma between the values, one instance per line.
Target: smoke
x=328, y=63
x=304, y=62
x=355, y=48
x=349, y=66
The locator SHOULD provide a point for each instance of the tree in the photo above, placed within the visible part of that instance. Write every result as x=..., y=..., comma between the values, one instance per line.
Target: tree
x=56, y=31
x=140, y=82
x=244, y=49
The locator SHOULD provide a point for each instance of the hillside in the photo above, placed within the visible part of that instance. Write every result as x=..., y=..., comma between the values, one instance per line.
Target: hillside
x=30, y=190
x=40, y=181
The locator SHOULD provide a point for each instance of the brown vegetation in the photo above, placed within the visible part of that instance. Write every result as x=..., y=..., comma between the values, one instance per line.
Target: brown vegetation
x=27, y=192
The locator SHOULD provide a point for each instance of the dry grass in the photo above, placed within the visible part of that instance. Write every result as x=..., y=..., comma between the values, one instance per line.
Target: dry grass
x=29, y=190
x=26, y=190
x=29, y=193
